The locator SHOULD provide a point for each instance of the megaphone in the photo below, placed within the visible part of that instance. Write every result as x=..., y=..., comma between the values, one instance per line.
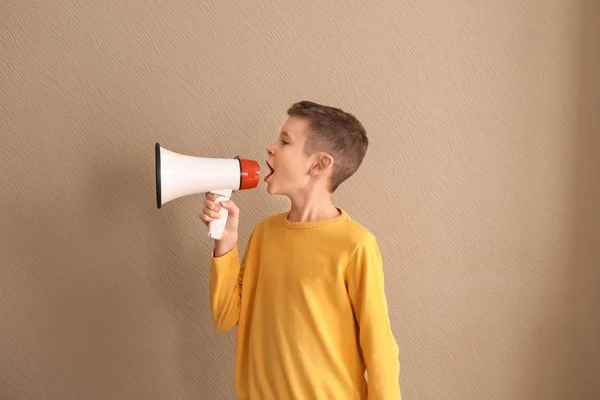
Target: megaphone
x=179, y=175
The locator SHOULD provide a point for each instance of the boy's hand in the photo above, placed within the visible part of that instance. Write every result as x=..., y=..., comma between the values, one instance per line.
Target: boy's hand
x=230, y=235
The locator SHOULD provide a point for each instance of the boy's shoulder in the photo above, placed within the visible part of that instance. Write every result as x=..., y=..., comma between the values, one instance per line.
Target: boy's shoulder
x=267, y=223
x=356, y=234
x=272, y=221
x=275, y=218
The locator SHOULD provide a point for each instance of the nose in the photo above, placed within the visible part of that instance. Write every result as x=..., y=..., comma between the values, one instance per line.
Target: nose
x=270, y=149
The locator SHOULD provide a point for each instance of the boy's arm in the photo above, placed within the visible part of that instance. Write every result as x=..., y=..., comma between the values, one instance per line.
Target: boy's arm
x=367, y=296
x=226, y=275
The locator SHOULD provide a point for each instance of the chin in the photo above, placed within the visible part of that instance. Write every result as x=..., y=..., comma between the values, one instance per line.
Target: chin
x=274, y=191
x=271, y=190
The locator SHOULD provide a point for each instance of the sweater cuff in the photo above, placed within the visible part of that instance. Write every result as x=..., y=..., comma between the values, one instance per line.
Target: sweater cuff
x=227, y=262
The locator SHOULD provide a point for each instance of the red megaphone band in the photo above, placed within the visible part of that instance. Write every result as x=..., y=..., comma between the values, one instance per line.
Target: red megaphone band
x=250, y=173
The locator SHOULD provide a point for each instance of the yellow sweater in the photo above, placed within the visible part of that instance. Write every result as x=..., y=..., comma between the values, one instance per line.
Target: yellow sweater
x=311, y=313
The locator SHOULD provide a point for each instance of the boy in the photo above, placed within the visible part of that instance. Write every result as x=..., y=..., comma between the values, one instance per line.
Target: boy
x=308, y=296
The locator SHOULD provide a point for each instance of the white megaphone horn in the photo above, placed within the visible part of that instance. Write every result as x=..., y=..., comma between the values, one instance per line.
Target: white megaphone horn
x=179, y=175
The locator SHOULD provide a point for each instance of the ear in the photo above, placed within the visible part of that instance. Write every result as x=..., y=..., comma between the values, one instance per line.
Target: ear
x=322, y=163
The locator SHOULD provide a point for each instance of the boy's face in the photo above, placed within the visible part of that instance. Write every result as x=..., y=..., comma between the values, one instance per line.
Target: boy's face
x=288, y=161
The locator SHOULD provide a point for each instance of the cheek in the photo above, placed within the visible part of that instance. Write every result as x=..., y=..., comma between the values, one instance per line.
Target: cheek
x=294, y=167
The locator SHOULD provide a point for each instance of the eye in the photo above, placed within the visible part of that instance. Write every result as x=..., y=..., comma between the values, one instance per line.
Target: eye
x=284, y=142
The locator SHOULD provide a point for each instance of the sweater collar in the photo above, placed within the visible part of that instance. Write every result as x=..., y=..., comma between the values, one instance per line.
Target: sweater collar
x=342, y=217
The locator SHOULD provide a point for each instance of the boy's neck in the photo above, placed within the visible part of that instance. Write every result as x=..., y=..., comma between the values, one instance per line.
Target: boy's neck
x=312, y=207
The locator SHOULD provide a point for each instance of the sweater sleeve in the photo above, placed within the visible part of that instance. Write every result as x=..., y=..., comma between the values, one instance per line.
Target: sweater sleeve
x=366, y=291
x=225, y=290
x=226, y=279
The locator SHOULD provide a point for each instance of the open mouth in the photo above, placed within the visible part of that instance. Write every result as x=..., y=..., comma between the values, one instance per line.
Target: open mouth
x=271, y=171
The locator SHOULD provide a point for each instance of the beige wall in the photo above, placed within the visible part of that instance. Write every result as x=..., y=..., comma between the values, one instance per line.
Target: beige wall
x=481, y=183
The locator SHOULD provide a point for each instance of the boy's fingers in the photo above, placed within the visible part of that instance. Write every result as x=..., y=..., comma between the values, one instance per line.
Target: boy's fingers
x=211, y=205
x=211, y=196
x=210, y=212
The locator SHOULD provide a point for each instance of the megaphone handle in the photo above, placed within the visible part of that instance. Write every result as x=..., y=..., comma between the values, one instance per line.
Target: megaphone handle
x=217, y=226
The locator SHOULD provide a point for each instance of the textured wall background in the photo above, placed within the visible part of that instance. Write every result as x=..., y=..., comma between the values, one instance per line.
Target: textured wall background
x=481, y=183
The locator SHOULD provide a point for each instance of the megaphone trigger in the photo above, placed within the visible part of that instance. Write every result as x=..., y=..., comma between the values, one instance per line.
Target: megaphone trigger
x=216, y=227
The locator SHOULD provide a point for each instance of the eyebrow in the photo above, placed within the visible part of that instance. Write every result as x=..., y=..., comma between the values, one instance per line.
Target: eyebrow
x=284, y=133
